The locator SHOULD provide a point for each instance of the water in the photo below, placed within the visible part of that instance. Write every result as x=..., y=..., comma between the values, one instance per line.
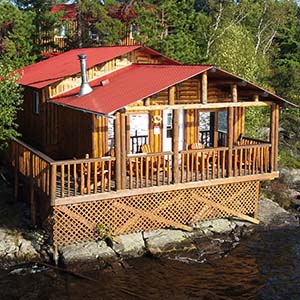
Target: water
x=267, y=266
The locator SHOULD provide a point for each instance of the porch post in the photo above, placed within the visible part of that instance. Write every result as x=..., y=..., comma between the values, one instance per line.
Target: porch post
x=53, y=184
x=175, y=145
x=118, y=151
x=16, y=169
x=123, y=150
x=234, y=98
x=216, y=129
x=229, y=140
x=274, y=122
x=204, y=88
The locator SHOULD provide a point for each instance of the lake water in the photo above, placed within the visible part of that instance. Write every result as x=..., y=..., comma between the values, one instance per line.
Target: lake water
x=266, y=266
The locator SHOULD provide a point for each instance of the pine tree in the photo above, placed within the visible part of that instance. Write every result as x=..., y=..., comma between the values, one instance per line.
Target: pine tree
x=16, y=29
x=10, y=101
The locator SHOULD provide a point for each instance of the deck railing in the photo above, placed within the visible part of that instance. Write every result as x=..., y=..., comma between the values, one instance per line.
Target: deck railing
x=149, y=169
x=72, y=178
x=32, y=165
x=203, y=164
x=84, y=176
x=251, y=159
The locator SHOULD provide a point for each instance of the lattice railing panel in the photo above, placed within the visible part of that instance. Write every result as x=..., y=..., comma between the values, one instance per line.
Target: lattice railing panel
x=78, y=222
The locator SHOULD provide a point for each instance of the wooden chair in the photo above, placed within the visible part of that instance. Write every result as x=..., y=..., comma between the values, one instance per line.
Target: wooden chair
x=198, y=158
x=154, y=163
x=197, y=146
x=92, y=177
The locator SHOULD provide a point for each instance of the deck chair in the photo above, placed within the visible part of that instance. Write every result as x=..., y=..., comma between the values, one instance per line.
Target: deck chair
x=93, y=178
x=197, y=146
x=154, y=163
x=198, y=159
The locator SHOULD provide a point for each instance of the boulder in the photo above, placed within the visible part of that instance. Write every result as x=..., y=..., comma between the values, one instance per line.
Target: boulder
x=89, y=252
x=271, y=214
x=129, y=245
x=26, y=249
x=167, y=240
x=215, y=226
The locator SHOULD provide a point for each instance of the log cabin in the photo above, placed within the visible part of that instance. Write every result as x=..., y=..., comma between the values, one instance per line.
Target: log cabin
x=129, y=139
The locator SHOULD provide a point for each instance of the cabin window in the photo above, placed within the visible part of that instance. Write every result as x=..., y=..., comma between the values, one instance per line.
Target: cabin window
x=36, y=102
x=169, y=125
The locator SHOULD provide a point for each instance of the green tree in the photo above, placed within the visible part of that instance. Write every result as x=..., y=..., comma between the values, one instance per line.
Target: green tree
x=10, y=101
x=16, y=28
x=95, y=25
x=285, y=79
x=169, y=27
x=44, y=21
x=235, y=52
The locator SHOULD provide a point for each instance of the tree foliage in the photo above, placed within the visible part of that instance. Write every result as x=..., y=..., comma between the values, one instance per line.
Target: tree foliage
x=10, y=101
x=15, y=35
x=95, y=26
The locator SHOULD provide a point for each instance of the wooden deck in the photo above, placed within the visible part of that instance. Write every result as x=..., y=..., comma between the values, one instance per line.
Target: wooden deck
x=79, y=194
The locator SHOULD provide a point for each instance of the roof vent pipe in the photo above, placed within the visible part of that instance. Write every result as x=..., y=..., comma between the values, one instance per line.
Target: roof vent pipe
x=85, y=87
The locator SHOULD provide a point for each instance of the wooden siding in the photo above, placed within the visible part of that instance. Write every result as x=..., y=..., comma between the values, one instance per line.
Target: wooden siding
x=216, y=94
x=75, y=133
x=100, y=136
x=31, y=125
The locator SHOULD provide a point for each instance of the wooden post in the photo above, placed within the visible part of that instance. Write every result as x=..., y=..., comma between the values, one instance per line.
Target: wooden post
x=123, y=150
x=212, y=128
x=234, y=95
x=147, y=101
x=272, y=136
x=118, y=151
x=16, y=170
x=216, y=132
x=53, y=184
x=171, y=91
x=229, y=140
x=175, y=146
x=31, y=191
x=274, y=122
x=276, y=137
x=256, y=98
x=204, y=88
x=95, y=148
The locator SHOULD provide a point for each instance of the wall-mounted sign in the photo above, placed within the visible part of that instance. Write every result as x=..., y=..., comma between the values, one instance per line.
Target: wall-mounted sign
x=156, y=130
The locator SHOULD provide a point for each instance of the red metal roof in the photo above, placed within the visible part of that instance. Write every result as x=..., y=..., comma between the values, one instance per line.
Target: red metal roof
x=56, y=68
x=128, y=85
x=69, y=10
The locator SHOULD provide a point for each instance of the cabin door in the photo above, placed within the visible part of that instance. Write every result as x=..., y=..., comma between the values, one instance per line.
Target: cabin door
x=139, y=126
x=168, y=130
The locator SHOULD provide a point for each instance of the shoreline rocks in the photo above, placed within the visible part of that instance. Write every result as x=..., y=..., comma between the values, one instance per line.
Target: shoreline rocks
x=210, y=240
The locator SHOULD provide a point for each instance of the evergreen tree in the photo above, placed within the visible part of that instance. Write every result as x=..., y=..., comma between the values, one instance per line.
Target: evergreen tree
x=95, y=25
x=285, y=79
x=10, y=101
x=45, y=22
x=16, y=29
